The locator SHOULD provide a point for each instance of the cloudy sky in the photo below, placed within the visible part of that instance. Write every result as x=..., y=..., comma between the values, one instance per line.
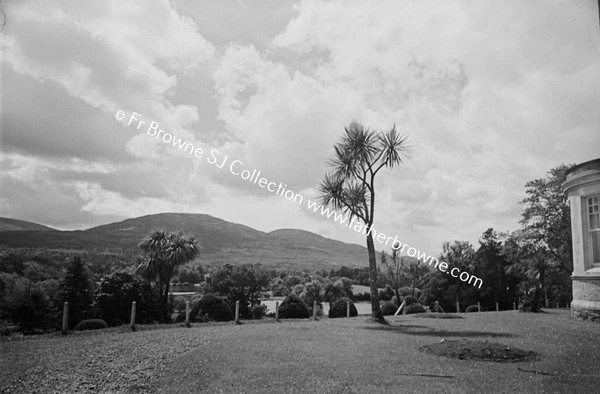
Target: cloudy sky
x=490, y=94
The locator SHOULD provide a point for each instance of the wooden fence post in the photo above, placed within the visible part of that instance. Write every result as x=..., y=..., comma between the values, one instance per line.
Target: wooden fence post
x=65, y=321
x=132, y=321
x=514, y=306
x=315, y=310
x=237, y=312
x=187, y=313
x=478, y=306
x=277, y=311
x=347, y=308
x=457, y=307
x=497, y=307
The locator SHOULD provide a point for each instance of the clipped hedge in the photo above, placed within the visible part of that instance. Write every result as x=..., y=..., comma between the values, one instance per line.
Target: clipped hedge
x=338, y=309
x=293, y=307
x=91, y=324
x=388, y=308
x=415, y=308
x=258, y=311
x=210, y=307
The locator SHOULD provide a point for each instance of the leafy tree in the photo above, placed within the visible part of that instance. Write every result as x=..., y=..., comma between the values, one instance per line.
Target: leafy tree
x=337, y=288
x=313, y=291
x=394, y=271
x=528, y=265
x=446, y=289
x=546, y=226
x=492, y=269
x=359, y=156
x=115, y=295
x=30, y=310
x=76, y=289
x=191, y=275
x=164, y=253
x=244, y=283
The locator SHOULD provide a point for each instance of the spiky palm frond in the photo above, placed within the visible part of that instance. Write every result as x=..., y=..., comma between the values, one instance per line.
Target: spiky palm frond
x=331, y=190
x=164, y=252
x=356, y=196
x=360, y=143
x=394, y=147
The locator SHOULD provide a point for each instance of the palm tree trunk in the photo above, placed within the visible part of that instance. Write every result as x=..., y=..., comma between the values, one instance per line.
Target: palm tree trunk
x=165, y=304
x=375, y=309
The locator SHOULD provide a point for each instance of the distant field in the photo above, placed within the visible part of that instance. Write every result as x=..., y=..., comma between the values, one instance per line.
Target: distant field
x=331, y=355
x=360, y=289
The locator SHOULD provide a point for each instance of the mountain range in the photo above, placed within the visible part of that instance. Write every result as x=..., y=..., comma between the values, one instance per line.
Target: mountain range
x=220, y=241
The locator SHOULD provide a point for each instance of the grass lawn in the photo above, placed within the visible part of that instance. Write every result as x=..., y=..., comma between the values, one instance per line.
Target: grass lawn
x=331, y=355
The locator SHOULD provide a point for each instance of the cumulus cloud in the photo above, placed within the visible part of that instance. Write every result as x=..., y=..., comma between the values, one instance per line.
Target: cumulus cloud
x=490, y=95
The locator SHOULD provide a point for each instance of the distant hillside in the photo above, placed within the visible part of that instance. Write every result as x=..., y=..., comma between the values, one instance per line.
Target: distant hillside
x=7, y=224
x=221, y=241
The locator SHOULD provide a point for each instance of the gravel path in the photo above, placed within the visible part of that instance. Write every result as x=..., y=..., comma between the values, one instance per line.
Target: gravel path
x=114, y=361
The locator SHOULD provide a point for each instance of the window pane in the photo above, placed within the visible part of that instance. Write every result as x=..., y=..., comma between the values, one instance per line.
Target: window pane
x=595, y=221
x=596, y=246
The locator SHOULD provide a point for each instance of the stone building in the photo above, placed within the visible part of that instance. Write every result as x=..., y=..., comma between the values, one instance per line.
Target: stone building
x=583, y=190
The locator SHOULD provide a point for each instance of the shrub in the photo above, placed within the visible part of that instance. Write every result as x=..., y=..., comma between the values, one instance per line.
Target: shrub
x=472, y=308
x=30, y=313
x=415, y=308
x=388, y=308
x=338, y=309
x=116, y=293
x=179, y=303
x=293, y=307
x=409, y=300
x=258, y=311
x=210, y=307
x=91, y=324
x=386, y=294
x=395, y=300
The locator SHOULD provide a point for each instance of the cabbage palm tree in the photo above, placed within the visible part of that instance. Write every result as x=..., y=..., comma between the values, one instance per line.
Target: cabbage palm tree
x=350, y=185
x=164, y=253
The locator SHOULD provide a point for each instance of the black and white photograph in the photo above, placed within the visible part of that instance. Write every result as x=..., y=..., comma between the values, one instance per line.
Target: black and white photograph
x=299, y=196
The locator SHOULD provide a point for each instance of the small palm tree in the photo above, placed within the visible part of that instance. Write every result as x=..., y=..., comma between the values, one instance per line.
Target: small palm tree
x=164, y=253
x=350, y=186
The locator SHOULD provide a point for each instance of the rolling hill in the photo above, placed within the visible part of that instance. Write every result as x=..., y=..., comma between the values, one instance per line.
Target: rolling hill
x=7, y=224
x=221, y=241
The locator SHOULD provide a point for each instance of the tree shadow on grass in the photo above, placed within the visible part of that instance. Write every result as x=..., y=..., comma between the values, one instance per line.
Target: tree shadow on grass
x=428, y=331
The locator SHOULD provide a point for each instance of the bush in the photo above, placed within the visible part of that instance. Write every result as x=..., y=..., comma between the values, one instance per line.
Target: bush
x=31, y=313
x=415, y=308
x=258, y=311
x=409, y=300
x=179, y=303
x=91, y=324
x=210, y=307
x=338, y=309
x=386, y=294
x=388, y=308
x=395, y=301
x=293, y=307
x=116, y=293
x=472, y=308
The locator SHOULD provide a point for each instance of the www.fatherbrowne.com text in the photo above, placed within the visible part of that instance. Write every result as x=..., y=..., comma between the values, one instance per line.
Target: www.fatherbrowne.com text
x=237, y=168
